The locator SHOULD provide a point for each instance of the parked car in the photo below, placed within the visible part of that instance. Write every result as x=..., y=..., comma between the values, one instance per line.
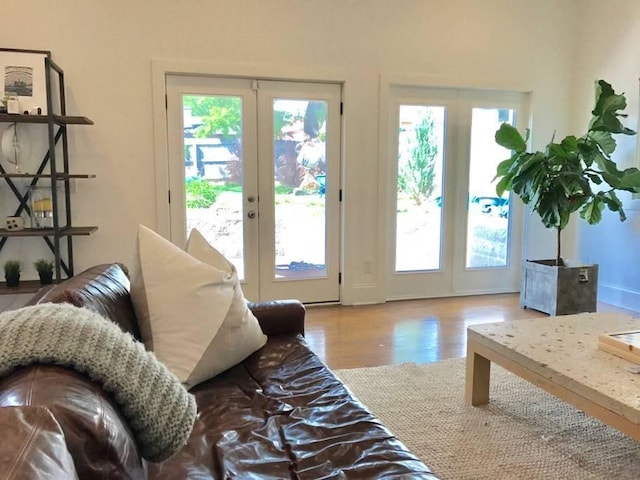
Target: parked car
x=489, y=205
x=492, y=205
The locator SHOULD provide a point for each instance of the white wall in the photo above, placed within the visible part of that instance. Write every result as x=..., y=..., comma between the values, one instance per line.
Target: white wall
x=608, y=49
x=106, y=50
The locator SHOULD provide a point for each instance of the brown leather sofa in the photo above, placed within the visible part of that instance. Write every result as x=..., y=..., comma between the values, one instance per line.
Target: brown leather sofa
x=279, y=414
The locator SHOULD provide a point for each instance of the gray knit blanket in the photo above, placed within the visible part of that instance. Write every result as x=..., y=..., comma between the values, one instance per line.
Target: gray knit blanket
x=159, y=410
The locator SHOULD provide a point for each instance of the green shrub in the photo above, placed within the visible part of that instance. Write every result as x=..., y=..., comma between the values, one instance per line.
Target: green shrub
x=416, y=172
x=200, y=193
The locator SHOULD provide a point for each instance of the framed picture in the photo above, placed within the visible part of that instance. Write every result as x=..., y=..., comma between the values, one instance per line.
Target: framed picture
x=22, y=75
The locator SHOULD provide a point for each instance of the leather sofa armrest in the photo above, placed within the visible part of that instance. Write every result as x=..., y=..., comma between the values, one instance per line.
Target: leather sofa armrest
x=277, y=317
x=96, y=435
x=32, y=445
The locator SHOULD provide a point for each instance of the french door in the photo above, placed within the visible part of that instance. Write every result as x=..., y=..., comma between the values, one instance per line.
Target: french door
x=254, y=166
x=450, y=233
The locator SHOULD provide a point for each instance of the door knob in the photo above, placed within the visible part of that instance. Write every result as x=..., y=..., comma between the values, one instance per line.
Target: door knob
x=251, y=214
x=251, y=199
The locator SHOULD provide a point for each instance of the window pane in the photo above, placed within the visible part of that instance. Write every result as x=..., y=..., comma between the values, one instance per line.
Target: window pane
x=419, y=197
x=213, y=172
x=488, y=219
x=300, y=173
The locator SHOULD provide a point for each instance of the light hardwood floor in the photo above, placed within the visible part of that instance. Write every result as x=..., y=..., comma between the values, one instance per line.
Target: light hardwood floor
x=419, y=331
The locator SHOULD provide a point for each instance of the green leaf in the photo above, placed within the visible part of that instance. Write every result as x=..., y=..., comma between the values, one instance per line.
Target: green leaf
x=505, y=166
x=612, y=201
x=557, y=151
x=587, y=150
x=594, y=178
x=570, y=143
x=631, y=180
x=592, y=211
x=509, y=137
x=503, y=185
x=605, y=140
x=614, y=204
x=605, y=116
x=565, y=215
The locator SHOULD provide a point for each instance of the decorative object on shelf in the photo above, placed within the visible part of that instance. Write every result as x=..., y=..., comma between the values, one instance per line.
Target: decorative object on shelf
x=23, y=76
x=41, y=205
x=12, y=270
x=44, y=268
x=15, y=223
x=13, y=105
x=15, y=145
x=570, y=175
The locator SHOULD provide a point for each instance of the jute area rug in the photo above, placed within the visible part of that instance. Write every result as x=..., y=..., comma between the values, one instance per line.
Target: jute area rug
x=524, y=432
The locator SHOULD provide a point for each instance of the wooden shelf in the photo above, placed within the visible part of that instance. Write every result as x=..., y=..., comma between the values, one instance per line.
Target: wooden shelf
x=59, y=176
x=59, y=119
x=48, y=232
x=26, y=286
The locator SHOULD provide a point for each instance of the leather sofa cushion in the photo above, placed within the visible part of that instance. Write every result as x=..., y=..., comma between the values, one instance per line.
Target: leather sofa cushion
x=282, y=414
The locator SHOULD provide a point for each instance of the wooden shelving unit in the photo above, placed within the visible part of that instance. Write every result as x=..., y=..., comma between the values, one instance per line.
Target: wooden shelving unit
x=28, y=286
x=57, y=119
x=48, y=232
x=59, y=176
x=53, y=172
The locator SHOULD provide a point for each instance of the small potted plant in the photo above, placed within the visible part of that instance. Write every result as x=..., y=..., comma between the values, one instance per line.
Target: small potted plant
x=45, y=270
x=12, y=273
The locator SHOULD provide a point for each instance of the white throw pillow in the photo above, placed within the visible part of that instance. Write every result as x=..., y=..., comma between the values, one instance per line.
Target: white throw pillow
x=182, y=303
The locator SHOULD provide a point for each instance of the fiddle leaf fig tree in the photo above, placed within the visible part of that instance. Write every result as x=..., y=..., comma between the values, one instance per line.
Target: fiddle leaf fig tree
x=575, y=174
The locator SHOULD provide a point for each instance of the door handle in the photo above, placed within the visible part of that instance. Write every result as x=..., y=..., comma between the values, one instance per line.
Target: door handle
x=251, y=214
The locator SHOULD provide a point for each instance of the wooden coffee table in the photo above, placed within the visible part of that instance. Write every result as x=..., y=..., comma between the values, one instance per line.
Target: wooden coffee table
x=561, y=356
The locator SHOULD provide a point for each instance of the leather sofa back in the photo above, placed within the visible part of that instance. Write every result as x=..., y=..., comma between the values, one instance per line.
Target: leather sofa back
x=103, y=289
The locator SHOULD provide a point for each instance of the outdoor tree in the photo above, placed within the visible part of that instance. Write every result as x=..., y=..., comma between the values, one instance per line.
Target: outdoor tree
x=416, y=171
x=315, y=116
x=220, y=115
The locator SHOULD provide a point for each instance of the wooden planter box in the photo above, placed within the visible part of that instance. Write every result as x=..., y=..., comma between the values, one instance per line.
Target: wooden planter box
x=558, y=290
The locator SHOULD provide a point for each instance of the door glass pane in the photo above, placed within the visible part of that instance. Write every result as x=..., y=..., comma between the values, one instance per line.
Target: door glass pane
x=300, y=174
x=488, y=219
x=213, y=172
x=419, y=187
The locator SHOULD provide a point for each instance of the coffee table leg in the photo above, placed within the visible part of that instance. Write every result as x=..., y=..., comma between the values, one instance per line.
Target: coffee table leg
x=477, y=379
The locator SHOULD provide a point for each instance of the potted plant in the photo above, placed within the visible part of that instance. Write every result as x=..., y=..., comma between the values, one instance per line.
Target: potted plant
x=12, y=273
x=575, y=174
x=44, y=268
